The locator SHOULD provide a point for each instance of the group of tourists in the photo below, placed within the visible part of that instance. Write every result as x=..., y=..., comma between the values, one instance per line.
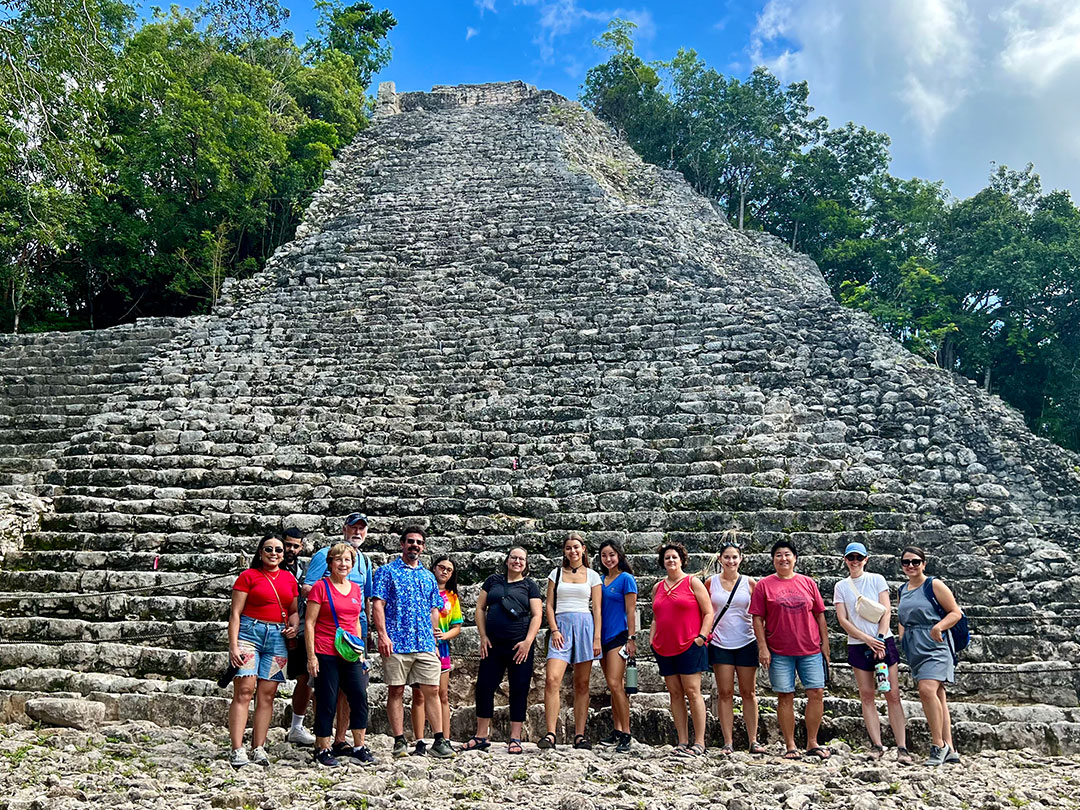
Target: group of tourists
x=310, y=623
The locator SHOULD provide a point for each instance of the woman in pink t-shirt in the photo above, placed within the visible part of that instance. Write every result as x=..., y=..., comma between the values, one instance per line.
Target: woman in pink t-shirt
x=682, y=617
x=789, y=622
x=335, y=601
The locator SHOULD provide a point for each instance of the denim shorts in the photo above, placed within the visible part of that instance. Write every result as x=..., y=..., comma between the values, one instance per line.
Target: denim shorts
x=811, y=669
x=264, y=651
x=577, y=632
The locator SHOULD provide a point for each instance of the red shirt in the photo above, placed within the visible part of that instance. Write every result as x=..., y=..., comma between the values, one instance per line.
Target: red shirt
x=677, y=616
x=789, y=608
x=262, y=605
x=348, y=607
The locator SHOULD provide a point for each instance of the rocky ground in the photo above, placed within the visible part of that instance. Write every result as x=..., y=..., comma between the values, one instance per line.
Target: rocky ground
x=139, y=764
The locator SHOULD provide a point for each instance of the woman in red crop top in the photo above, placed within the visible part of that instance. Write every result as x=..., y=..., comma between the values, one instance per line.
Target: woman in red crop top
x=682, y=618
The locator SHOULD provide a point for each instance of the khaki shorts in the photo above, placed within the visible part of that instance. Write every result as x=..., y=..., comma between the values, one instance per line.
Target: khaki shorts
x=423, y=668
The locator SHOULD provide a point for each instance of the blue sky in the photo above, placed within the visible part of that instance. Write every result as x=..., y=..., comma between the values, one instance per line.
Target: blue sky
x=956, y=84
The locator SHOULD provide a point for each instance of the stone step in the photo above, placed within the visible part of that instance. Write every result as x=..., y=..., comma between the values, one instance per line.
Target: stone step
x=172, y=634
x=120, y=561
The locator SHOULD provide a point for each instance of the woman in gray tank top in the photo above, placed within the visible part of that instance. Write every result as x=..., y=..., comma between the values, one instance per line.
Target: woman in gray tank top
x=927, y=653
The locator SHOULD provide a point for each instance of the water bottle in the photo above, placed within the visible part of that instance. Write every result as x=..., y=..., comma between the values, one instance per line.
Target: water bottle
x=631, y=676
x=881, y=673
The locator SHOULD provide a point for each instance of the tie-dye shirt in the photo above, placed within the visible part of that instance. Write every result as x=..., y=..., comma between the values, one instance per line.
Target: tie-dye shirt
x=449, y=616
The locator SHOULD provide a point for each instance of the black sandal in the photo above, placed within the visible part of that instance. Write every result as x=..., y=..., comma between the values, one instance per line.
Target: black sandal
x=581, y=743
x=514, y=746
x=547, y=741
x=476, y=744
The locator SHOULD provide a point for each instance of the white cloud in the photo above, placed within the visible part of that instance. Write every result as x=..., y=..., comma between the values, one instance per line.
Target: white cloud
x=956, y=84
x=557, y=18
x=470, y=32
x=485, y=5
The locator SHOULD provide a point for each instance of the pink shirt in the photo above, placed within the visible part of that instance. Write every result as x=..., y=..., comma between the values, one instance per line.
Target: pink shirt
x=789, y=608
x=348, y=607
x=268, y=595
x=677, y=617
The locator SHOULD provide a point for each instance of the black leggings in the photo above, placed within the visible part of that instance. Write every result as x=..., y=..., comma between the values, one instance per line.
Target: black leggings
x=335, y=671
x=499, y=660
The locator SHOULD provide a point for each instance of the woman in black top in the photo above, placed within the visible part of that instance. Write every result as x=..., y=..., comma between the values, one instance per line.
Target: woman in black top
x=508, y=613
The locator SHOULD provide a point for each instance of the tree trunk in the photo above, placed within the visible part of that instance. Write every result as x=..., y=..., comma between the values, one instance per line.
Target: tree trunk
x=795, y=235
x=986, y=379
x=742, y=205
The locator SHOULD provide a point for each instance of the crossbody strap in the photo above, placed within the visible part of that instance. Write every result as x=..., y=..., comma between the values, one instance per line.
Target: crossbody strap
x=281, y=607
x=724, y=609
x=330, y=601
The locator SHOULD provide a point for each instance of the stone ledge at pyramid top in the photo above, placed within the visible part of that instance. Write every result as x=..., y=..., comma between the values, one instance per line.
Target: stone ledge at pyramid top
x=444, y=96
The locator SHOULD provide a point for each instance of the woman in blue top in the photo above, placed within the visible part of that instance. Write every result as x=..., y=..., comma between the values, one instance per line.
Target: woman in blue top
x=618, y=629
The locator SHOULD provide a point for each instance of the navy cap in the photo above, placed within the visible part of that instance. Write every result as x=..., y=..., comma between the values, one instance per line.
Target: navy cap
x=356, y=517
x=856, y=548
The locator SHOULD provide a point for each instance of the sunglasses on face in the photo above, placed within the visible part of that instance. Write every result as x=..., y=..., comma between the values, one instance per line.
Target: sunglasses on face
x=914, y=562
x=854, y=558
x=273, y=551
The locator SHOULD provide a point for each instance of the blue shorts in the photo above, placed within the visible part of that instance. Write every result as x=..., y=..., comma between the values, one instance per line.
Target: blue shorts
x=782, y=670
x=577, y=630
x=264, y=650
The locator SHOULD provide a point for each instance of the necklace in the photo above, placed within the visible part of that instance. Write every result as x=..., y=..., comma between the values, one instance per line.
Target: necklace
x=573, y=569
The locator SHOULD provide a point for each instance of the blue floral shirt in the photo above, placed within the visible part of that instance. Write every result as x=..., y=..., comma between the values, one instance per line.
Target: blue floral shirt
x=409, y=595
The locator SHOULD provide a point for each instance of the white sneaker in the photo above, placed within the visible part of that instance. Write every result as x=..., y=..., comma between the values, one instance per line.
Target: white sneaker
x=259, y=757
x=298, y=735
x=238, y=758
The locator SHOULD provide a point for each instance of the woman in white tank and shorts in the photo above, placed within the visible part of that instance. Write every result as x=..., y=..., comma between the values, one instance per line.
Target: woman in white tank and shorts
x=732, y=644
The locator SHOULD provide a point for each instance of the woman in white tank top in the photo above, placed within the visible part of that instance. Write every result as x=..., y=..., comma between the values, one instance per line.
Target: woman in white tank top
x=732, y=644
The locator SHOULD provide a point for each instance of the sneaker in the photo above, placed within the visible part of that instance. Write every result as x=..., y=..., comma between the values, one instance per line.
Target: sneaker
x=441, y=749
x=952, y=757
x=259, y=757
x=326, y=758
x=937, y=756
x=298, y=735
x=421, y=749
x=238, y=758
x=341, y=749
x=611, y=739
x=623, y=746
x=401, y=748
x=363, y=755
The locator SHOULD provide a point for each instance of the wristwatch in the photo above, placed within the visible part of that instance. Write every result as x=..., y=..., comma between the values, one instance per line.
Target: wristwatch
x=632, y=637
x=703, y=638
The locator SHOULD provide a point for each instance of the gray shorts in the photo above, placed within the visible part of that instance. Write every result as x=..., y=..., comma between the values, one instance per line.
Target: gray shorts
x=577, y=630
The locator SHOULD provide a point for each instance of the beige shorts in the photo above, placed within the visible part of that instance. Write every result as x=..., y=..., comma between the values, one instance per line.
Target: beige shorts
x=423, y=668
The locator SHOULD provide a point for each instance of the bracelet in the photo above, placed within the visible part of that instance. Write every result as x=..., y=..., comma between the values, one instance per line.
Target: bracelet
x=702, y=637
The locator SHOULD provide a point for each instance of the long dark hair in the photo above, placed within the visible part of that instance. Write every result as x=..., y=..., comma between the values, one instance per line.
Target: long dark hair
x=451, y=584
x=623, y=565
x=256, y=561
x=584, y=550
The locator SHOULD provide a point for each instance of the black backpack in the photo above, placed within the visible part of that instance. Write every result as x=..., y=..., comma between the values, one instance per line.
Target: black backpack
x=958, y=637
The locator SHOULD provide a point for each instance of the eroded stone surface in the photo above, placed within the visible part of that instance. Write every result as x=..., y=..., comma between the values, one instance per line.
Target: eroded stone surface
x=136, y=765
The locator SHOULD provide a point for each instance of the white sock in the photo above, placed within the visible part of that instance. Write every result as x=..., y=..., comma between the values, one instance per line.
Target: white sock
x=297, y=722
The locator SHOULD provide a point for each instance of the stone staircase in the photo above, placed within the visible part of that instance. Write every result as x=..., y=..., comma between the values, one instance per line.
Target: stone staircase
x=497, y=321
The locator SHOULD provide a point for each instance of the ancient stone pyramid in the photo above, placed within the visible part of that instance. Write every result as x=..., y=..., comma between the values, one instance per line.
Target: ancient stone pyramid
x=495, y=319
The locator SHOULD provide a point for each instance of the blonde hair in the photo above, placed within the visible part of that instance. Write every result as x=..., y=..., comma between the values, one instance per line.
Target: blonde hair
x=340, y=550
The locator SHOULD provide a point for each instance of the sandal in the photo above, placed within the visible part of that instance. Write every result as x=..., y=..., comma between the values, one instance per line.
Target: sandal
x=903, y=756
x=513, y=746
x=696, y=750
x=876, y=752
x=820, y=751
x=758, y=748
x=726, y=749
x=581, y=743
x=792, y=754
x=476, y=744
x=547, y=741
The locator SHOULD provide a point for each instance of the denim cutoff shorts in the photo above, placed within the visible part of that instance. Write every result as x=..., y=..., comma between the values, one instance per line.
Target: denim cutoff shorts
x=782, y=669
x=263, y=648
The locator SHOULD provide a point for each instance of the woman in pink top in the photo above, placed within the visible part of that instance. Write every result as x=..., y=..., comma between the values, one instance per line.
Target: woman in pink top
x=682, y=616
x=789, y=622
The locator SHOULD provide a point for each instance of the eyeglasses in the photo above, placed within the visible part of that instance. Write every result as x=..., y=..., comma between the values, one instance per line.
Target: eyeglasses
x=914, y=562
x=854, y=558
x=446, y=569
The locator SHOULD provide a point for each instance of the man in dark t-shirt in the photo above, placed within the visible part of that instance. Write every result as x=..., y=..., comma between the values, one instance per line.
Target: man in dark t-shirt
x=297, y=666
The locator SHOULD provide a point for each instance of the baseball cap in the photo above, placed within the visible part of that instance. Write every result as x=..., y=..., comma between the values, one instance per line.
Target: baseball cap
x=356, y=517
x=856, y=548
